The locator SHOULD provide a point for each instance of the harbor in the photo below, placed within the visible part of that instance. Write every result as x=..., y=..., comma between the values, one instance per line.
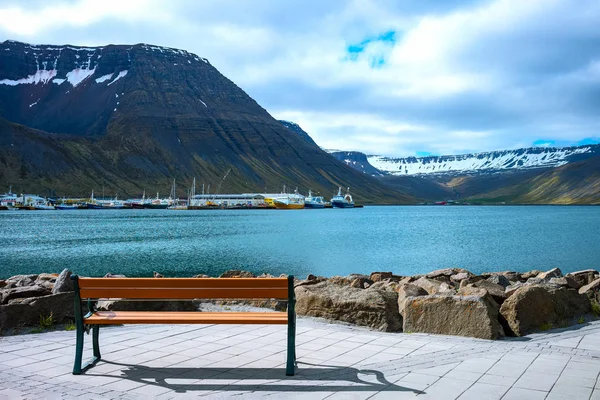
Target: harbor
x=233, y=201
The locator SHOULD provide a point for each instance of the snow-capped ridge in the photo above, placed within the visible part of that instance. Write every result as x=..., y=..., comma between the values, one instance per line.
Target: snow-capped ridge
x=484, y=162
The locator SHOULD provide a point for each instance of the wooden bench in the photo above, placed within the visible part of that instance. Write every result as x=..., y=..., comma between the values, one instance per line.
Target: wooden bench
x=92, y=289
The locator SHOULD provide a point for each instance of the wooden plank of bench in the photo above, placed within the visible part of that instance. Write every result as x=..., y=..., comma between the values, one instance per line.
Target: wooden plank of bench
x=215, y=283
x=185, y=317
x=185, y=293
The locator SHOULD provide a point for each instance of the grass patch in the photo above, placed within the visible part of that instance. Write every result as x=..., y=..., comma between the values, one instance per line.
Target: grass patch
x=595, y=308
x=47, y=322
x=70, y=326
x=545, y=327
x=38, y=329
x=581, y=320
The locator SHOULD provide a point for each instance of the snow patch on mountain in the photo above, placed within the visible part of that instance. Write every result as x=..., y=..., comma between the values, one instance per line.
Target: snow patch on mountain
x=121, y=74
x=78, y=75
x=536, y=157
x=104, y=78
x=40, y=76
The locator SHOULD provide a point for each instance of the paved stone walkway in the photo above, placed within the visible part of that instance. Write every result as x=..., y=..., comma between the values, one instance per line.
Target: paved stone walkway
x=334, y=362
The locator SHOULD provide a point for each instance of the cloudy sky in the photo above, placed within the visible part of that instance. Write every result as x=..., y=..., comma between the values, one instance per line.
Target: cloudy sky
x=393, y=77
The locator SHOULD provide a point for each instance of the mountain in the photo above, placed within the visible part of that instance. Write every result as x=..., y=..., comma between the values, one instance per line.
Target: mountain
x=486, y=162
x=130, y=118
x=567, y=175
x=292, y=126
x=573, y=183
x=357, y=160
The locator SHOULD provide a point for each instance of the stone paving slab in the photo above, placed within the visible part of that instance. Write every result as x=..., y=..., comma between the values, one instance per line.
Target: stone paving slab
x=334, y=362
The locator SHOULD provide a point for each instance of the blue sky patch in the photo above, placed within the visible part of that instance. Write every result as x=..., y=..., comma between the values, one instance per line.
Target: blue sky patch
x=376, y=60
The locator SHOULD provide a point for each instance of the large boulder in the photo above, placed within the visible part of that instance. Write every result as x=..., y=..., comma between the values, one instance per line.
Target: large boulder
x=361, y=282
x=63, y=283
x=21, y=280
x=566, y=281
x=444, y=275
x=379, y=276
x=152, y=305
x=22, y=292
x=584, y=277
x=433, y=286
x=407, y=291
x=553, y=273
x=536, y=307
x=461, y=276
x=377, y=309
x=501, y=280
x=470, y=315
x=591, y=290
x=236, y=273
x=496, y=291
x=27, y=311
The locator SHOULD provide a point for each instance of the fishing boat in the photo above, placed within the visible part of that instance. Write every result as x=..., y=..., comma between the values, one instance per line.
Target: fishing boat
x=314, y=201
x=67, y=206
x=44, y=206
x=287, y=201
x=157, y=203
x=342, y=201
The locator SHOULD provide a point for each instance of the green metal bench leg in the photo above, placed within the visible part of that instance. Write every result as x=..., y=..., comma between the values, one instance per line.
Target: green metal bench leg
x=291, y=339
x=95, y=334
x=78, y=351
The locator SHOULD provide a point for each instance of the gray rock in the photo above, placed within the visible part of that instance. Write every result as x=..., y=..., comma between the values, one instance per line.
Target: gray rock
x=109, y=275
x=21, y=280
x=27, y=312
x=447, y=272
x=534, y=307
x=361, y=282
x=200, y=276
x=21, y=292
x=553, y=273
x=584, y=277
x=530, y=274
x=384, y=285
x=63, y=283
x=236, y=273
x=501, y=280
x=433, y=286
x=406, y=291
x=379, y=276
x=565, y=281
x=46, y=278
x=591, y=290
x=461, y=276
x=472, y=316
x=509, y=291
x=158, y=275
x=377, y=309
x=536, y=281
x=496, y=291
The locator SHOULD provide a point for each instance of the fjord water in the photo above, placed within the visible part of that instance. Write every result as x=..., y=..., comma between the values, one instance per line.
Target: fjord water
x=405, y=240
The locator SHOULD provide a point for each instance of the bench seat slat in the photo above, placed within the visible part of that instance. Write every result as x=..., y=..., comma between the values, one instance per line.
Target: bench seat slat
x=215, y=283
x=185, y=293
x=190, y=317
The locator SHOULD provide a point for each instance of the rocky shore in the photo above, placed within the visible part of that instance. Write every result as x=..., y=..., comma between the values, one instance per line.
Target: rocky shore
x=449, y=301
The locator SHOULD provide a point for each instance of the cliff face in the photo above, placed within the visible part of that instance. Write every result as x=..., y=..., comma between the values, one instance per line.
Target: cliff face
x=135, y=117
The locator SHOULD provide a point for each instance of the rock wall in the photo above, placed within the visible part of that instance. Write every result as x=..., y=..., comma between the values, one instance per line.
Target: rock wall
x=449, y=301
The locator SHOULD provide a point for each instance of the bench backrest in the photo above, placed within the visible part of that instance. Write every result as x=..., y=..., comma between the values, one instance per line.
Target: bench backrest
x=185, y=288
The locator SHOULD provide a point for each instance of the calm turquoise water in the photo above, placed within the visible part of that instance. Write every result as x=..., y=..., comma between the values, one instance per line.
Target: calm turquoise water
x=405, y=240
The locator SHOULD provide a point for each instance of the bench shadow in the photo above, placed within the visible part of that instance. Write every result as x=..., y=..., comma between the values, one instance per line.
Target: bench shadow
x=308, y=378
